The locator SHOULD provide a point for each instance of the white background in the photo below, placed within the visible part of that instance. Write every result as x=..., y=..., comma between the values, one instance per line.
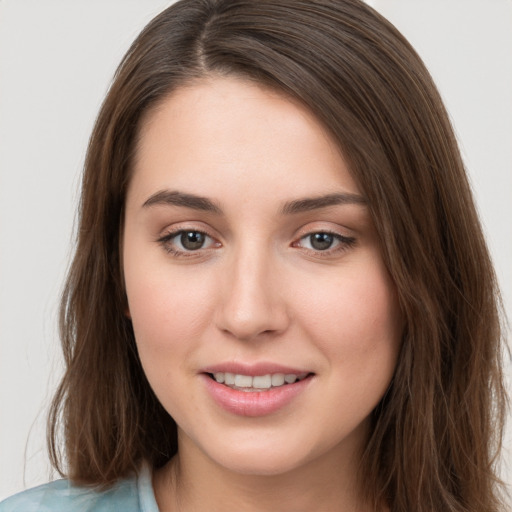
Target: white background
x=56, y=60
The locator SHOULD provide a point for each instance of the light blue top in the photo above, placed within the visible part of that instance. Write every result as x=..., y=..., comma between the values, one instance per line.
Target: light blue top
x=133, y=494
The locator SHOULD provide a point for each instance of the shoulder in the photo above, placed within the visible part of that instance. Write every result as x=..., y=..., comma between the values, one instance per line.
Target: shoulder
x=129, y=495
x=63, y=496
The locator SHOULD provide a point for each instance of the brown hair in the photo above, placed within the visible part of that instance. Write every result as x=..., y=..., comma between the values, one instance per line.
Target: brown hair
x=437, y=431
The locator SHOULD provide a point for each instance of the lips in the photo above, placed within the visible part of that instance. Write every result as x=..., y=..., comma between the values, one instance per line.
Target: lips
x=255, y=390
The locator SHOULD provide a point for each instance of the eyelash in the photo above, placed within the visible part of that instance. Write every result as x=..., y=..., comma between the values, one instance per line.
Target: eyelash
x=344, y=243
x=166, y=242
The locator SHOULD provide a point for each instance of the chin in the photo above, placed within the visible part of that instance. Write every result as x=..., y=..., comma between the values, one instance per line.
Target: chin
x=267, y=455
x=260, y=464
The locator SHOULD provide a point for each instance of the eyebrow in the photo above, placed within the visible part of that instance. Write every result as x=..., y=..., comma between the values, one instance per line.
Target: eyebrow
x=316, y=203
x=174, y=198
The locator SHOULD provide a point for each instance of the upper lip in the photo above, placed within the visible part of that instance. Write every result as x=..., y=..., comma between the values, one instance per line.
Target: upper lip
x=260, y=368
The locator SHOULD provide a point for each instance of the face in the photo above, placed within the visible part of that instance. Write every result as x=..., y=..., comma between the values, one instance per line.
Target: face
x=265, y=319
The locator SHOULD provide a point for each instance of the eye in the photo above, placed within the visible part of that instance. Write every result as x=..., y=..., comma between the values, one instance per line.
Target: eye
x=319, y=241
x=324, y=241
x=191, y=240
x=187, y=241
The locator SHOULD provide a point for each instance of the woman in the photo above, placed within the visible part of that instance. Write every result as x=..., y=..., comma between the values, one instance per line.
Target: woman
x=281, y=296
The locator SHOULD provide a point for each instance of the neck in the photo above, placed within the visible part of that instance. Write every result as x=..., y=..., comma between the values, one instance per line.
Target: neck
x=192, y=481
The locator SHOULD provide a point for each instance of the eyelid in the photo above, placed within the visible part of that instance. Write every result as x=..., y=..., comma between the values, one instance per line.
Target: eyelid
x=169, y=233
x=337, y=236
x=345, y=242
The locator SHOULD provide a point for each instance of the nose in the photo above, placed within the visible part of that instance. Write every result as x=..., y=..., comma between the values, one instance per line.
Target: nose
x=252, y=301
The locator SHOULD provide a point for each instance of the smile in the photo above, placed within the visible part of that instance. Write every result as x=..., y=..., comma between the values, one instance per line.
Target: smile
x=257, y=390
x=256, y=383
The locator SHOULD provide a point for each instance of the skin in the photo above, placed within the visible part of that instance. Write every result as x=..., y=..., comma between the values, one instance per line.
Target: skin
x=258, y=290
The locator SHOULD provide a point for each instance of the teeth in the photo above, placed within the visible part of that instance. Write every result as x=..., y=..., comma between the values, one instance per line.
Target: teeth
x=243, y=381
x=278, y=379
x=262, y=382
x=258, y=382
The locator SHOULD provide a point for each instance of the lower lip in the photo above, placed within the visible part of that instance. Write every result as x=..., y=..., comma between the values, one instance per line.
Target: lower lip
x=254, y=403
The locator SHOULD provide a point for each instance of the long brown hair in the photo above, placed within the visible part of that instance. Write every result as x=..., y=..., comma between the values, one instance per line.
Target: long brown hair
x=437, y=431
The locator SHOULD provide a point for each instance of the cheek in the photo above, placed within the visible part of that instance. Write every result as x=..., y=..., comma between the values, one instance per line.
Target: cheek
x=167, y=312
x=356, y=320
x=167, y=323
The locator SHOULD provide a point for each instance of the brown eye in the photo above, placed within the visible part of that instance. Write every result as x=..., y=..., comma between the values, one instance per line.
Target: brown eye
x=325, y=243
x=187, y=242
x=321, y=241
x=192, y=240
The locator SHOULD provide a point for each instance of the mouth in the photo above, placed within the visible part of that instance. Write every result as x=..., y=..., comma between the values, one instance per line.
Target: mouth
x=257, y=390
x=257, y=383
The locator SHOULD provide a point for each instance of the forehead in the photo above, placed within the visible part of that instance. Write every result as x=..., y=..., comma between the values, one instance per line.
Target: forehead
x=226, y=134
